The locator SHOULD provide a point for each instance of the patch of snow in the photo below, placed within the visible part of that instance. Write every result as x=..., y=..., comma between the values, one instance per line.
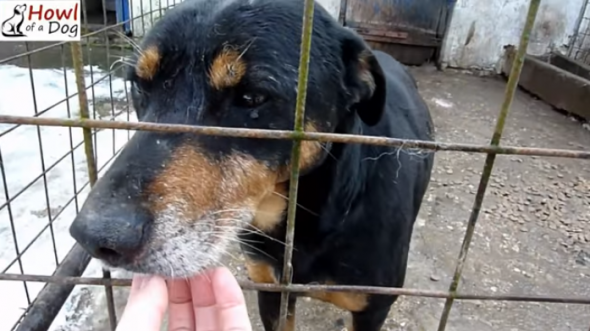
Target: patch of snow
x=29, y=213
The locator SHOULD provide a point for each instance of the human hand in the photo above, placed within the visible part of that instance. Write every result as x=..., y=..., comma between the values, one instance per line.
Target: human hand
x=212, y=301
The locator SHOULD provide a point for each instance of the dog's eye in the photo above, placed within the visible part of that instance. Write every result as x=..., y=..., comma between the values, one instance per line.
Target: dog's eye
x=252, y=99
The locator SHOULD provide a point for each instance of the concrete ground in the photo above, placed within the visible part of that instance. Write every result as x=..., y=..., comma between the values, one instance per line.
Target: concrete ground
x=533, y=235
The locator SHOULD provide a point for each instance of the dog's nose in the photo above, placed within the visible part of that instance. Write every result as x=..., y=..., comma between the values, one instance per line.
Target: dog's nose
x=115, y=233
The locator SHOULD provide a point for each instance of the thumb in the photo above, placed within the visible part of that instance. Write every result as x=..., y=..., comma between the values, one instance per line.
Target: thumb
x=146, y=305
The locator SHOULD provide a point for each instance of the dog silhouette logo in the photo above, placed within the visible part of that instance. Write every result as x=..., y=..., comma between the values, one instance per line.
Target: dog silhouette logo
x=12, y=26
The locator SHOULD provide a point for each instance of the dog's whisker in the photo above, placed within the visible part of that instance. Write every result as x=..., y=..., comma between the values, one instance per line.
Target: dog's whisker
x=256, y=231
x=241, y=210
x=171, y=269
x=226, y=252
x=257, y=241
x=123, y=58
x=253, y=229
x=120, y=61
x=322, y=146
x=298, y=205
x=131, y=42
x=237, y=240
x=215, y=259
x=246, y=240
x=250, y=43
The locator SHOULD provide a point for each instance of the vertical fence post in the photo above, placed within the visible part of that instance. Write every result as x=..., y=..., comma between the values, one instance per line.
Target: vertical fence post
x=78, y=64
x=306, y=34
x=489, y=163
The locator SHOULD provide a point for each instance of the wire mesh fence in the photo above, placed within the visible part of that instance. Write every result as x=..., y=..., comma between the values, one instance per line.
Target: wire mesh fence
x=580, y=44
x=97, y=101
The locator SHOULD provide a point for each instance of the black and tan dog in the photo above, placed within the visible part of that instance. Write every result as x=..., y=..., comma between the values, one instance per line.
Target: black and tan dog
x=171, y=204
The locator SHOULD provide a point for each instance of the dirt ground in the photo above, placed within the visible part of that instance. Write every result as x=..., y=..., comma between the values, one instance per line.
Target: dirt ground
x=533, y=235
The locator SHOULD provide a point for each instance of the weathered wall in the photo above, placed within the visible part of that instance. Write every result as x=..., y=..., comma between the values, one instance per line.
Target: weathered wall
x=480, y=29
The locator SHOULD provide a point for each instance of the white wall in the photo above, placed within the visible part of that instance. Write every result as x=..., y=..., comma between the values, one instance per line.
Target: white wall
x=480, y=29
x=333, y=6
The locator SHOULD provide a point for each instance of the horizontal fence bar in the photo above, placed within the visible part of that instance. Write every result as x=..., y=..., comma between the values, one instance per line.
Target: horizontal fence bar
x=301, y=288
x=288, y=134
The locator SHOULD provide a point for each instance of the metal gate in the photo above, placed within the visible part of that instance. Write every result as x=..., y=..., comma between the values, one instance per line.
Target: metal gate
x=410, y=30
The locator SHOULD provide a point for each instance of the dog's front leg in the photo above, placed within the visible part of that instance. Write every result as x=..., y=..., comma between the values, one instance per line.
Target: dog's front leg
x=269, y=305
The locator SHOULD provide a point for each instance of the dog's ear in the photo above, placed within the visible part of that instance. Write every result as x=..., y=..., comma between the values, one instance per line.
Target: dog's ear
x=363, y=78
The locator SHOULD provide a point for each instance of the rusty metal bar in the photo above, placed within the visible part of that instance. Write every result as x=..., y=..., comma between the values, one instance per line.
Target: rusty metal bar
x=76, y=50
x=490, y=158
x=304, y=288
x=403, y=144
x=49, y=301
x=304, y=57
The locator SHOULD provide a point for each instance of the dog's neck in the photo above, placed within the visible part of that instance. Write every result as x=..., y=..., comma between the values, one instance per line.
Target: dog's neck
x=339, y=182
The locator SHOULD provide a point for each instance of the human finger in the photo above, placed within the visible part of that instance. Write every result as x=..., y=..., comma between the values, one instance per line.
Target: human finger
x=232, y=313
x=204, y=302
x=146, y=305
x=180, y=309
x=136, y=283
